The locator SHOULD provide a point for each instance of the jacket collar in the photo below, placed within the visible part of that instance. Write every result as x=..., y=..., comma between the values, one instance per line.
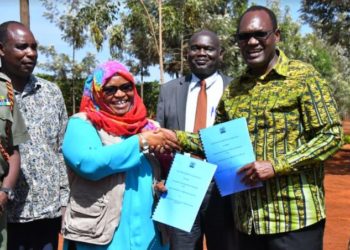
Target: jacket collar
x=4, y=77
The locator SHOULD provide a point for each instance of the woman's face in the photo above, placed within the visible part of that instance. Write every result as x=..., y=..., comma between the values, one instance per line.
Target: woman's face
x=118, y=95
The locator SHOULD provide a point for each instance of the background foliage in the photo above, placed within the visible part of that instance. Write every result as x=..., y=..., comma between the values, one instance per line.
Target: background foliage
x=132, y=30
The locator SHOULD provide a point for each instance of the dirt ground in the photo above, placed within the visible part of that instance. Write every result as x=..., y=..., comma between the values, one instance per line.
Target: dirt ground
x=337, y=184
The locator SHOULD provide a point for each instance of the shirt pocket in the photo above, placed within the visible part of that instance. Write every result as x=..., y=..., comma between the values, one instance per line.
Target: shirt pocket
x=86, y=218
x=5, y=113
x=5, y=116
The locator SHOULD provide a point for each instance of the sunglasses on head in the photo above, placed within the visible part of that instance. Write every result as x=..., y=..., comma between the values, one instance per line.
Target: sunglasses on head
x=111, y=90
x=258, y=35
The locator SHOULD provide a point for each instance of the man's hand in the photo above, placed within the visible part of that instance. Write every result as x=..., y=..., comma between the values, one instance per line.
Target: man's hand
x=162, y=140
x=11, y=178
x=63, y=212
x=256, y=171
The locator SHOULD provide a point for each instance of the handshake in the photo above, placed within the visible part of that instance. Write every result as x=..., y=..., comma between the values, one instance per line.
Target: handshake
x=162, y=143
x=159, y=141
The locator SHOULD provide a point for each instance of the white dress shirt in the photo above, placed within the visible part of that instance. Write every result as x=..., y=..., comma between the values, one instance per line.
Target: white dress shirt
x=215, y=88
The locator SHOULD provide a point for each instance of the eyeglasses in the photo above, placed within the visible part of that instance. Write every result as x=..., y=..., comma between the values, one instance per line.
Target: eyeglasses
x=258, y=35
x=111, y=90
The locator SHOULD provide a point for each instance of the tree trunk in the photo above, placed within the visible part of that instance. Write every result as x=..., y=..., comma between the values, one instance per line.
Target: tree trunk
x=182, y=55
x=161, y=66
x=73, y=81
x=141, y=81
x=24, y=12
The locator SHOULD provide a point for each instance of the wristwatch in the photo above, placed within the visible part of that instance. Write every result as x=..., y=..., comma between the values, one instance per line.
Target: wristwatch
x=145, y=145
x=9, y=192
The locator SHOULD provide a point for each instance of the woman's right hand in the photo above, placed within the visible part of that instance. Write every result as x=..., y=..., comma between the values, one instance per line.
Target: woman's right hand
x=160, y=187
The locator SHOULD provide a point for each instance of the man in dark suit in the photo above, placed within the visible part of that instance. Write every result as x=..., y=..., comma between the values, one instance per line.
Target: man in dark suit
x=177, y=109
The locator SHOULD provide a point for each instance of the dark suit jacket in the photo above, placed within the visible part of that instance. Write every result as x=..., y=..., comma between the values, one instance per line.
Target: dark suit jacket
x=171, y=108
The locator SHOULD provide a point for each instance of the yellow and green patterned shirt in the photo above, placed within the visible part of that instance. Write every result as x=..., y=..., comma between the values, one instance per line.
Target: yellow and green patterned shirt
x=293, y=122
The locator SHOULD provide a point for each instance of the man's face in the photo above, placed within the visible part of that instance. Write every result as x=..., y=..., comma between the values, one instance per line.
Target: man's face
x=204, y=55
x=19, y=52
x=257, y=40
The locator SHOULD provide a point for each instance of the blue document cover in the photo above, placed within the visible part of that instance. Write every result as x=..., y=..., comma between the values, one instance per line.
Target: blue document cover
x=187, y=183
x=228, y=145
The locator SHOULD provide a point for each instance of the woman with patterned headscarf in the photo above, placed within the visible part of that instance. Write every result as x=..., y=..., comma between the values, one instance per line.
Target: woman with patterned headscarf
x=111, y=198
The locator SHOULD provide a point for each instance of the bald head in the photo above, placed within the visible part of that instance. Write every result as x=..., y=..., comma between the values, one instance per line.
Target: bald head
x=4, y=29
x=208, y=33
x=18, y=52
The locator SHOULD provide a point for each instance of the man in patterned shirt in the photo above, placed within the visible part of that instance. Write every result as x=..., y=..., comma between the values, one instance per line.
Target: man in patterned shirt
x=294, y=126
x=41, y=192
x=12, y=132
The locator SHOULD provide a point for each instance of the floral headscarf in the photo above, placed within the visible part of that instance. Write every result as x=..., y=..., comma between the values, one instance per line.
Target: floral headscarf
x=100, y=114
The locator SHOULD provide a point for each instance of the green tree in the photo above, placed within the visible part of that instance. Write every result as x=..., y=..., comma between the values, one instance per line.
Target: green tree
x=78, y=21
x=180, y=20
x=330, y=18
x=151, y=97
x=136, y=36
x=331, y=22
x=62, y=69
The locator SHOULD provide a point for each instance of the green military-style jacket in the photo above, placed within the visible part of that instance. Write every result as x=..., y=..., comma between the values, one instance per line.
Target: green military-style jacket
x=18, y=132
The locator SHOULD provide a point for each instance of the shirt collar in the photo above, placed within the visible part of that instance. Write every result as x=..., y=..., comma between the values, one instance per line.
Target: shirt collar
x=209, y=80
x=32, y=85
x=282, y=65
x=280, y=68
